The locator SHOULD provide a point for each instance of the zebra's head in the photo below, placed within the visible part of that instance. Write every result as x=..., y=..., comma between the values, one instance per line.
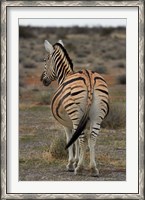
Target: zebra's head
x=48, y=77
x=57, y=65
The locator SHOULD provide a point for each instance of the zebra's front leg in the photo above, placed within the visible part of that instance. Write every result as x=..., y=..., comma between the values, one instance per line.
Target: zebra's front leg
x=92, y=144
x=82, y=145
x=69, y=166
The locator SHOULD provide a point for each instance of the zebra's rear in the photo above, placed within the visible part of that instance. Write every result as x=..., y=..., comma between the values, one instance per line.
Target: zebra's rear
x=86, y=101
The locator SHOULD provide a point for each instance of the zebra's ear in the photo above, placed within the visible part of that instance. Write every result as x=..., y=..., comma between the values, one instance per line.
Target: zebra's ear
x=61, y=42
x=49, y=48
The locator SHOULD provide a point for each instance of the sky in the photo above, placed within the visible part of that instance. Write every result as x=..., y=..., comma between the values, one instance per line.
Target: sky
x=72, y=22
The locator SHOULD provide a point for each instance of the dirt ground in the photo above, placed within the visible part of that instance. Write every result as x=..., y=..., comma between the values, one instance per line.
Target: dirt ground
x=98, y=49
x=37, y=132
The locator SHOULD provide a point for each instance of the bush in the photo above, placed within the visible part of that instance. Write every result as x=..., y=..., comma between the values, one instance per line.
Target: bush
x=100, y=69
x=61, y=33
x=26, y=32
x=121, y=79
x=45, y=97
x=116, y=117
x=21, y=83
x=106, y=31
x=120, y=65
x=57, y=148
x=81, y=54
x=30, y=64
x=71, y=47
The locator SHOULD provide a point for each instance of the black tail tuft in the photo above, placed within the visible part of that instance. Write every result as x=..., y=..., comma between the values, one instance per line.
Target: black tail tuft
x=80, y=128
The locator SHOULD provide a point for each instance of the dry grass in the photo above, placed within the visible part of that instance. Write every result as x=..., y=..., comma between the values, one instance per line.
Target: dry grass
x=57, y=147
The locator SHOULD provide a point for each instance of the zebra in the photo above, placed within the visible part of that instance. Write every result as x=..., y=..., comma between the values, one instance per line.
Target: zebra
x=80, y=103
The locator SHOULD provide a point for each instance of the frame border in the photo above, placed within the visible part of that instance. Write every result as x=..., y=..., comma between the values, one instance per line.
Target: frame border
x=3, y=5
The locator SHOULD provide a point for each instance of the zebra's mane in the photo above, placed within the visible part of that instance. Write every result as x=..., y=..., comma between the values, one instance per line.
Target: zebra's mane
x=66, y=54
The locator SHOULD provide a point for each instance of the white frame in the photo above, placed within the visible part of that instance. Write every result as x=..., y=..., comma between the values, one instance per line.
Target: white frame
x=5, y=95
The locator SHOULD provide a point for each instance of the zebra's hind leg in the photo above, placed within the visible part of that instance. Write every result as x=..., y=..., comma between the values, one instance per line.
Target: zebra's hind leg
x=82, y=144
x=76, y=154
x=69, y=166
x=92, y=143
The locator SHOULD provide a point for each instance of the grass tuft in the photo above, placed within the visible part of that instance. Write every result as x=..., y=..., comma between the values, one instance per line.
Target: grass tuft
x=57, y=148
x=116, y=117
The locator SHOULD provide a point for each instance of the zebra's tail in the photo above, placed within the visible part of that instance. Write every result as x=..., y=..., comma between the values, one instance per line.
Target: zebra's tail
x=80, y=128
x=84, y=119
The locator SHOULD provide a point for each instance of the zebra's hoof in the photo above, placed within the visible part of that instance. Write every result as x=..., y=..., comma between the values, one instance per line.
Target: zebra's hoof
x=78, y=170
x=75, y=164
x=70, y=167
x=94, y=172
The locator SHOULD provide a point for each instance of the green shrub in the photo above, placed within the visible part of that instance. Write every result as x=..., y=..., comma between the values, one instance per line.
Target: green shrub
x=121, y=79
x=81, y=54
x=21, y=83
x=100, y=69
x=116, y=117
x=26, y=32
x=106, y=31
x=61, y=33
x=71, y=47
x=120, y=65
x=57, y=147
x=45, y=97
x=29, y=64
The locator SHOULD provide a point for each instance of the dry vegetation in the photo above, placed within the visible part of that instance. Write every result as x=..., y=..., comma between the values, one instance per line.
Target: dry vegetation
x=42, y=140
